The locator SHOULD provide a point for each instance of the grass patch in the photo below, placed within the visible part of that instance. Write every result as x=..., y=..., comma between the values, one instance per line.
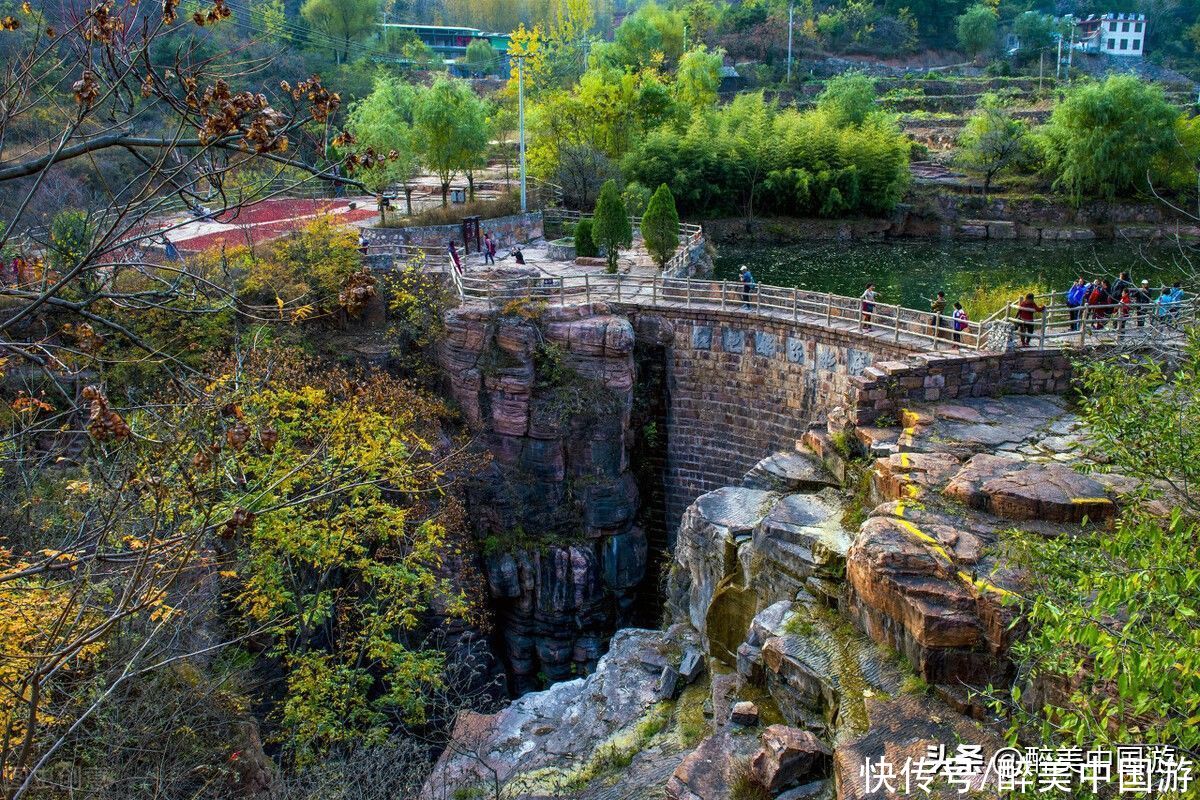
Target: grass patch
x=858, y=507
x=843, y=443
x=742, y=785
x=691, y=725
x=618, y=752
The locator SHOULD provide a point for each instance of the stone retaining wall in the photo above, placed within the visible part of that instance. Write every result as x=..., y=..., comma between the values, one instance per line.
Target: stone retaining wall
x=742, y=387
x=884, y=388
x=515, y=229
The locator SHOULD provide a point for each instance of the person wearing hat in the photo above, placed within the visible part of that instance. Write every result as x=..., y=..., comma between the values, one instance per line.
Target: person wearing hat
x=1141, y=298
x=747, y=285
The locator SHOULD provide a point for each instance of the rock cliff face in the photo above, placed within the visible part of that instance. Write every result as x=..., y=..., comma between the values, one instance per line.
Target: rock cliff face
x=549, y=392
x=798, y=648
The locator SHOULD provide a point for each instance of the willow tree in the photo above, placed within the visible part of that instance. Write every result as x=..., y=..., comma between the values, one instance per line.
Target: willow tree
x=382, y=136
x=341, y=20
x=451, y=126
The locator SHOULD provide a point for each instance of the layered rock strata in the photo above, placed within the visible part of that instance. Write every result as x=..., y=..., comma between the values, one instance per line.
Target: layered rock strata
x=549, y=392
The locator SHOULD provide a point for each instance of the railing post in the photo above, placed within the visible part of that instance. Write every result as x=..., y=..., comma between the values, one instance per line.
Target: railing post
x=828, y=309
x=688, y=291
x=587, y=291
x=654, y=291
x=1045, y=320
x=618, y=287
x=897, y=308
x=795, y=304
x=722, y=295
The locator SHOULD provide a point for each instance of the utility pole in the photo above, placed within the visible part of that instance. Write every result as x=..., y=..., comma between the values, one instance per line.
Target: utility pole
x=1071, y=51
x=791, y=12
x=521, y=121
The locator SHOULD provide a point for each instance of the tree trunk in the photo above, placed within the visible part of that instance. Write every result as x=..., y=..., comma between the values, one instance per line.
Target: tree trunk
x=408, y=199
x=471, y=187
x=446, y=194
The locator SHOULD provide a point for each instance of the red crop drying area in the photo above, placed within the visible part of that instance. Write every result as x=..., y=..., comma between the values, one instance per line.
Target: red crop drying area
x=264, y=221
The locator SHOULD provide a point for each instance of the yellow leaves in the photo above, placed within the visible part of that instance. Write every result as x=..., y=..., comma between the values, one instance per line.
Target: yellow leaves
x=9, y=23
x=30, y=633
x=79, y=487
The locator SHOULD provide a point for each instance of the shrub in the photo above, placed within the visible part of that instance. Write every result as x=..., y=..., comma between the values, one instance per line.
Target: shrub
x=660, y=226
x=585, y=244
x=611, y=224
x=308, y=267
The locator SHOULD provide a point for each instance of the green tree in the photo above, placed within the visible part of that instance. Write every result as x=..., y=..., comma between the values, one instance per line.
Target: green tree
x=480, y=58
x=650, y=36
x=1114, y=615
x=1112, y=138
x=1033, y=28
x=343, y=20
x=698, y=78
x=382, y=126
x=610, y=225
x=848, y=98
x=70, y=239
x=450, y=122
x=992, y=140
x=977, y=30
x=660, y=226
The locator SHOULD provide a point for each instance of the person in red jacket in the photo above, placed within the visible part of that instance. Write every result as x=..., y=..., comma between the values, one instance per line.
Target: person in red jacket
x=1025, y=311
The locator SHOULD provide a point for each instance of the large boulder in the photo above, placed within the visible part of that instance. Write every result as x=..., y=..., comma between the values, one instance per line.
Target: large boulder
x=787, y=757
x=797, y=471
x=910, y=589
x=709, y=771
x=560, y=727
x=801, y=544
x=706, y=549
x=1022, y=491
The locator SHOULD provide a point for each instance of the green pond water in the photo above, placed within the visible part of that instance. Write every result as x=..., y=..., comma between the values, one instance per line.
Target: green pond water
x=908, y=272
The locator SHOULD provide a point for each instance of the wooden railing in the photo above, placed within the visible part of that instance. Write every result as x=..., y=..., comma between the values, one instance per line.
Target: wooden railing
x=902, y=326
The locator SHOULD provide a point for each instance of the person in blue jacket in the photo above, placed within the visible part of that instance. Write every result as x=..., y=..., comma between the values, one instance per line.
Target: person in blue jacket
x=1076, y=300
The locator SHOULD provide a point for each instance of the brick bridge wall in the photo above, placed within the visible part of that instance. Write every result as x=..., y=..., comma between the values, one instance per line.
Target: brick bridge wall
x=740, y=388
x=884, y=388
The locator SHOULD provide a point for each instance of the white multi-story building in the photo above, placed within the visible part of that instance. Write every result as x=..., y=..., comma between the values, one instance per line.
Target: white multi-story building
x=1113, y=34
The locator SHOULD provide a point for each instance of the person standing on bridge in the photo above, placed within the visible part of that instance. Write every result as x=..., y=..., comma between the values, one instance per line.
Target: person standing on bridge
x=961, y=323
x=1025, y=311
x=747, y=286
x=1141, y=300
x=938, y=306
x=868, y=306
x=1076, y=300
